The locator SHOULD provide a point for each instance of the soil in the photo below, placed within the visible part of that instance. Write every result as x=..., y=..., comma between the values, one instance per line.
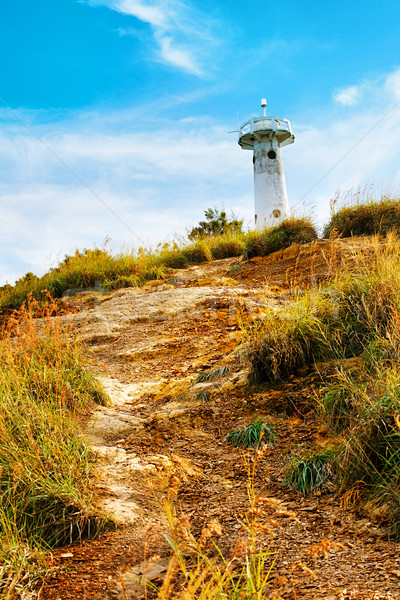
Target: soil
x=169, y=356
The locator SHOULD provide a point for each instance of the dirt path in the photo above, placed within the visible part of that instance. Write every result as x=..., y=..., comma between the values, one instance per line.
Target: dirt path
x=165, y=431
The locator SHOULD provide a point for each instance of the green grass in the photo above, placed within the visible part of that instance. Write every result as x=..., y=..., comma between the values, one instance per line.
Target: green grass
x=311, y=472
x=338, y=319
x=44, y=461
x=290, y=231
x=203, y=396
x=254, y=435
x=365, y=216
x=99, y=269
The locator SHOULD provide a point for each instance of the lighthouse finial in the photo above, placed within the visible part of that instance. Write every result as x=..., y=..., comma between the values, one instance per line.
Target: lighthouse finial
x=264, y=105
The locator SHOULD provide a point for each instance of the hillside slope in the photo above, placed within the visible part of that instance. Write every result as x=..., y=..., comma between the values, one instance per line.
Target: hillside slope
x=168, y=356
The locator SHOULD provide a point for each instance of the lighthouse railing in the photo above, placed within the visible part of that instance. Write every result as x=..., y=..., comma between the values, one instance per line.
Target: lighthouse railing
x=265, y=124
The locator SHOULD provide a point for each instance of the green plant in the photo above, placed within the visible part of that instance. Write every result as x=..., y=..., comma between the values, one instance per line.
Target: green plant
x=365, y=216
x=98, y=269
x=339, y=403
x=216, y=223
x=211, y=375
x=311, y=472
x=254, y=435
x=278, y=237
x=203, y=396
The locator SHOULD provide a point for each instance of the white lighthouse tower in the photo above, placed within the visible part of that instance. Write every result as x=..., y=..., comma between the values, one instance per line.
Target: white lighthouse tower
x=265, y=136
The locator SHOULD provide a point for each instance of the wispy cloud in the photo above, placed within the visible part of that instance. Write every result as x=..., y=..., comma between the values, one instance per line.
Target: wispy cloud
x=348, y=96
x=183, y=35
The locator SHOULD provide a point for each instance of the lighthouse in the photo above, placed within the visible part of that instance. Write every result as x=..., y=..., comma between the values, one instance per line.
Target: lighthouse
x=265, y=136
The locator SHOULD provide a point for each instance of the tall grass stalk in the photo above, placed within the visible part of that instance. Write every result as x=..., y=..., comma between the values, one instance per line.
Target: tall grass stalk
x=200, y=570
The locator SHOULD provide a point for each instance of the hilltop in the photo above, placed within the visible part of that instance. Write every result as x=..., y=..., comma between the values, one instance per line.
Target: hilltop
x=169, y=355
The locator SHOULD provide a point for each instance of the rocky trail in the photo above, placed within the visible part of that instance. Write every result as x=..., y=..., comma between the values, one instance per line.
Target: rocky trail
x=163, y=435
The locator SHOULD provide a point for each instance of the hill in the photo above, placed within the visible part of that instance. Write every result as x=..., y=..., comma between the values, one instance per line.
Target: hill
x=174, y=358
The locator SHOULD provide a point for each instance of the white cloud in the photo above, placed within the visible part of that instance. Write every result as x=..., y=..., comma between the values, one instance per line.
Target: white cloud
x=393, y=84
x=182, y=33
x=348, y=96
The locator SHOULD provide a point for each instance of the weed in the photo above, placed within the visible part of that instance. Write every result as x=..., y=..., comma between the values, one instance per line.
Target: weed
x=203, y=396
x=200, y=570
x=339, y=403
x=254, y=435
x=311, y=472
x=211, y=375
x=234, y=269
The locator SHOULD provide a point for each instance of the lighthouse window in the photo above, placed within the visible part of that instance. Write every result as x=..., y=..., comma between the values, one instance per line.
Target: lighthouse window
x=271, y=154
x=276, y=213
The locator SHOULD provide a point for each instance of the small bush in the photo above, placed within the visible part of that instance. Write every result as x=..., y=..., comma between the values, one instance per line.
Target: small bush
x=254, y=435
x=312, y=472
x=216, y=223
x=271, y=239
x=226, y=247
x=99, y=269
x=336, y=320
x=338, y=405
x=366, y=217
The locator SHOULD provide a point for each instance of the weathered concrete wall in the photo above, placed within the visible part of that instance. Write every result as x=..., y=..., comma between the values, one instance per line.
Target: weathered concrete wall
x=270, y=196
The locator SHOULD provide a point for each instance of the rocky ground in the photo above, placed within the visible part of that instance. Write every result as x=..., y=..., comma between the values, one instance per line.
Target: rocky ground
x=163, y=436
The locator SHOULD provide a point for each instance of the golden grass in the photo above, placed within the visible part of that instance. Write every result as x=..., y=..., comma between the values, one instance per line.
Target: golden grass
x=44, y=464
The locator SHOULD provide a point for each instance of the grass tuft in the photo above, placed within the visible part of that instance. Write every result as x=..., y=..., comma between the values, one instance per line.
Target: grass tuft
x=290, y=231
x=254, y=435
x=365, y=216
x=311, y=472
x=211, y=375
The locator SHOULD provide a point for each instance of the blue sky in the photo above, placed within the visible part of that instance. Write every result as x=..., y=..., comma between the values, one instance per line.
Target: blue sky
x=114, y=114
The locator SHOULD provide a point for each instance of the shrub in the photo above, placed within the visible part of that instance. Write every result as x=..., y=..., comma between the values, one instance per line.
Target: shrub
x=226, y=246
x=335, y=320
x=366, y=217
x=99, y=269
x=216, y=223
x=369, y=460
x=290, y=231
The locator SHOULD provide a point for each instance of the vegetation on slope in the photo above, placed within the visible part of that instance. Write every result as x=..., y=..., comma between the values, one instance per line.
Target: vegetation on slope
x=356, y=315
x=98, y=269
x=46, y=497
x=365, y=217
x=271, y=239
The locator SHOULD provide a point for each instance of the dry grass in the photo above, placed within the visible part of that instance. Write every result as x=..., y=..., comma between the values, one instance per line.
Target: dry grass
x=98, y=269
x=44, y=465
x=362, y=214
x=200, y=570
